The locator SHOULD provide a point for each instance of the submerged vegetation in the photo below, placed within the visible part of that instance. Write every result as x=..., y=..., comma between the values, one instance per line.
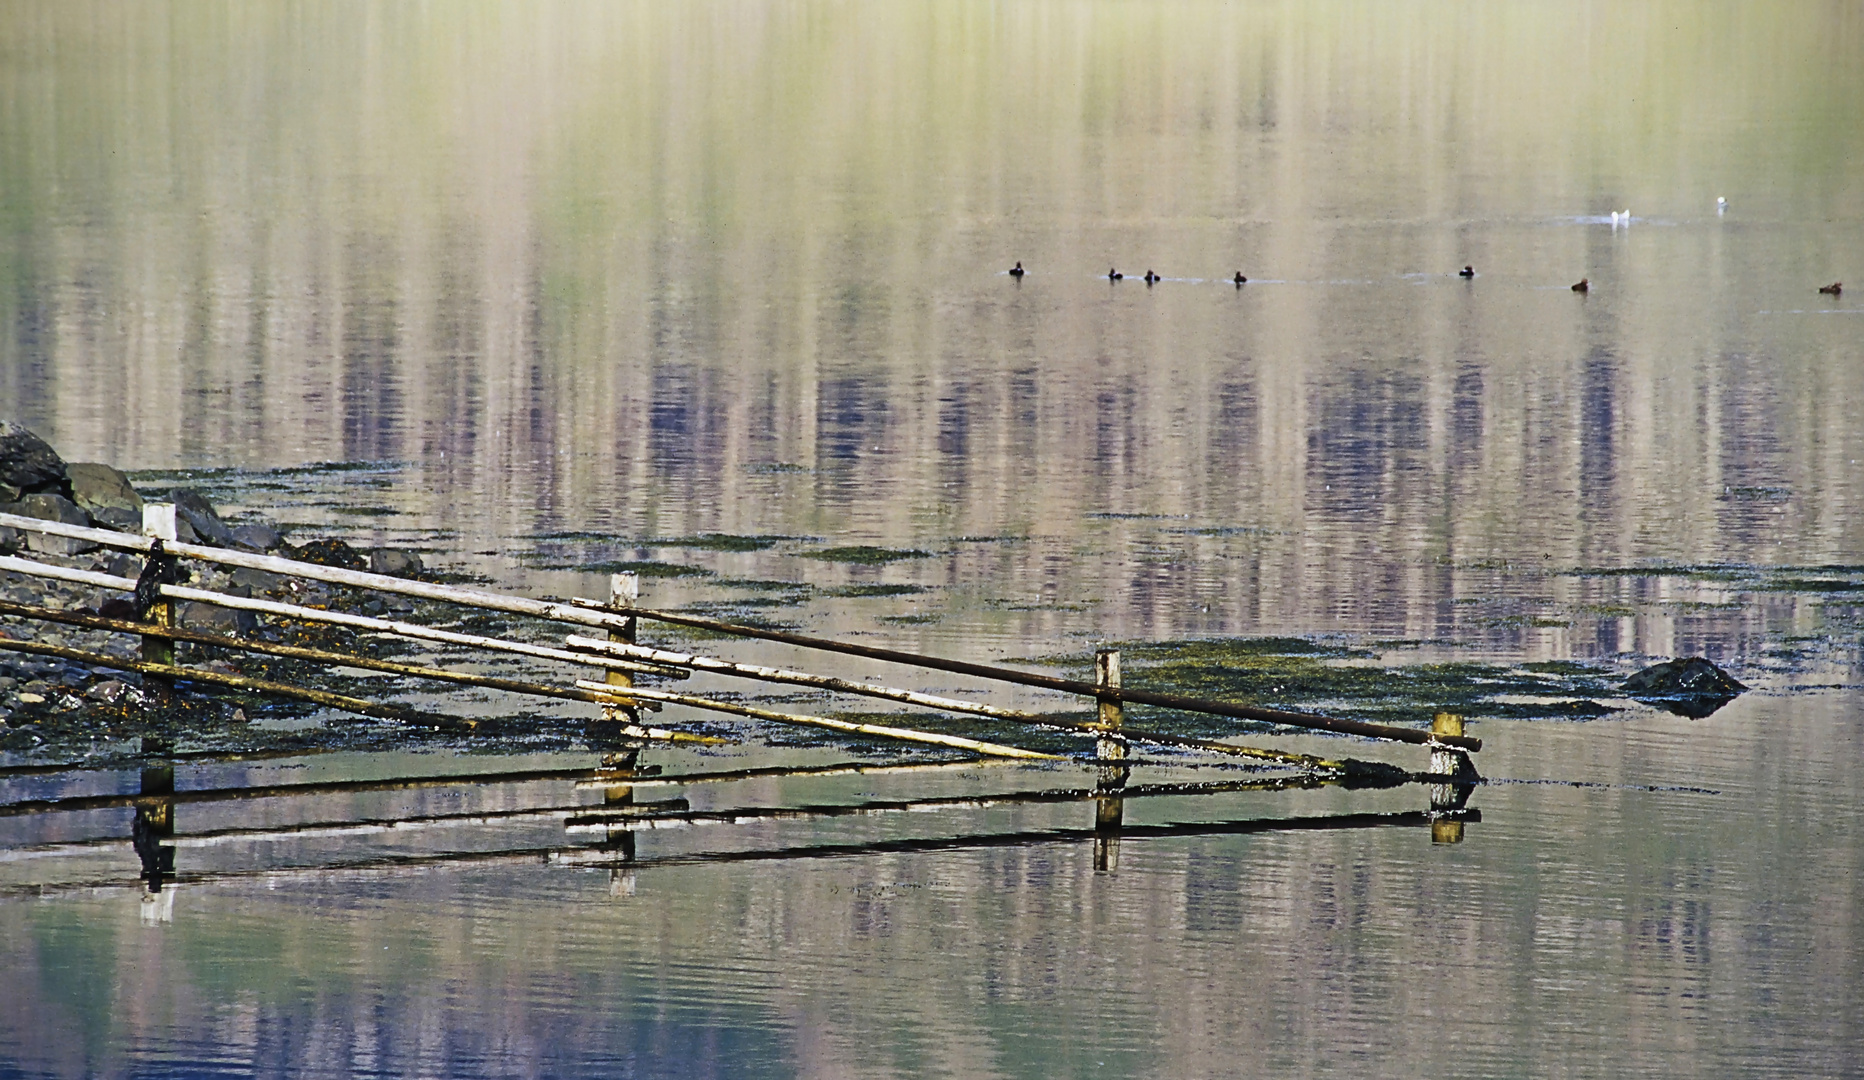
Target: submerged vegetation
x=867, y=554
x=1343, y=679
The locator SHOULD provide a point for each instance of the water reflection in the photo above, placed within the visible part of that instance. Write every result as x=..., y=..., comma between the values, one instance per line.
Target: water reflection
x=153, y=830
x=290, y=833
x=579, y=296
x=655, y=271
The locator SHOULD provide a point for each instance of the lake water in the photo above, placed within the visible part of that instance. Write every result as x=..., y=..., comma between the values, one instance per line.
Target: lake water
x=541, y=288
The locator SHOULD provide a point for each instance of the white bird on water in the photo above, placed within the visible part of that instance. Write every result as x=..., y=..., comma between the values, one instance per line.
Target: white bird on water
x=1721, y=205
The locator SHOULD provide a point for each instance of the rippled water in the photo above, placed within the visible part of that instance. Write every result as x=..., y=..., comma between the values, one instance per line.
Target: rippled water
x=582, y=284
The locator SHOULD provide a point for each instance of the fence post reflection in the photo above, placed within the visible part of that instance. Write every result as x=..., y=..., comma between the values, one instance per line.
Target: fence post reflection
x=1109, y=811
x=152, y=835
x=621, y=879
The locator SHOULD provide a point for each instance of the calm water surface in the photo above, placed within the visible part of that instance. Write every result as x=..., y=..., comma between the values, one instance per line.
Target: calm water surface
x=576, y=281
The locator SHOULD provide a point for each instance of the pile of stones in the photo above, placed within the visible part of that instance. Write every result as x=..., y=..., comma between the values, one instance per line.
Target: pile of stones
x=48, y=700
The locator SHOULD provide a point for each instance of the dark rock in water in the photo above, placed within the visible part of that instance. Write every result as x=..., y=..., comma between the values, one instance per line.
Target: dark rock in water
x=57, y=508
x=396, y=563
x=27, y=462
x=192, y=507
x=257, y=535
x=97, y=488
x=1688, y=686
x=330, y=553
x=1685, y=677
x=219, y=619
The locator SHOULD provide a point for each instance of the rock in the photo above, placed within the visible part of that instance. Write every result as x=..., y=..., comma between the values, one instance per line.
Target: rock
x=28, y=462
x=255, y=581
x=117, y=608
x=258, y=535
x=1685, y=677
x=115, y=517
x=98, y=487
x=121, y=564
x=1689, y=686
x=397, y=563
x=218, y=619
x=193, y=508
x=48, y=507
x=11, y=540
x=330, y=553
x=109, y=691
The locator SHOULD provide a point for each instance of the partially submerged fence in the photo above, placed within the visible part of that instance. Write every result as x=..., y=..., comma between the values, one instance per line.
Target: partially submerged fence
x=621, y=657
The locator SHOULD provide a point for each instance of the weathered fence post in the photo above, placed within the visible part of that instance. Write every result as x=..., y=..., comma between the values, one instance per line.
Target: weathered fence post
x=1110, y=746
x=1110, y=750
x=159, y=521
x=623, y=591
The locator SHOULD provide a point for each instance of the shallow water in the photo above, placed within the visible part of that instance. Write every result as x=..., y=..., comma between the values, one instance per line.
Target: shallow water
x=720, y=290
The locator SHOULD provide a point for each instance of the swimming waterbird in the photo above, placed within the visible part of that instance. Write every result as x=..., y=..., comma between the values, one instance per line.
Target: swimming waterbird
x=1466, y=272
x=1833, y=289
x=1152, y=277
x=1240, y=279
x=1581, y=285
x=1114, y=275
x=1017, y=270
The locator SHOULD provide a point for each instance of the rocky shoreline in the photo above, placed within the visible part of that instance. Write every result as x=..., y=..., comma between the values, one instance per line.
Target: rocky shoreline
x=52, y=705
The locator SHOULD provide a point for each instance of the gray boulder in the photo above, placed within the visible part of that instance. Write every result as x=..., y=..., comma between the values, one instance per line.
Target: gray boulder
x=258, y=535
x=255, y=581
x=57, y=508
x=115, y=517
x=396, y=563
x=193, y=508
x=218, y=619
x=27, y=462
x=96, y=488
